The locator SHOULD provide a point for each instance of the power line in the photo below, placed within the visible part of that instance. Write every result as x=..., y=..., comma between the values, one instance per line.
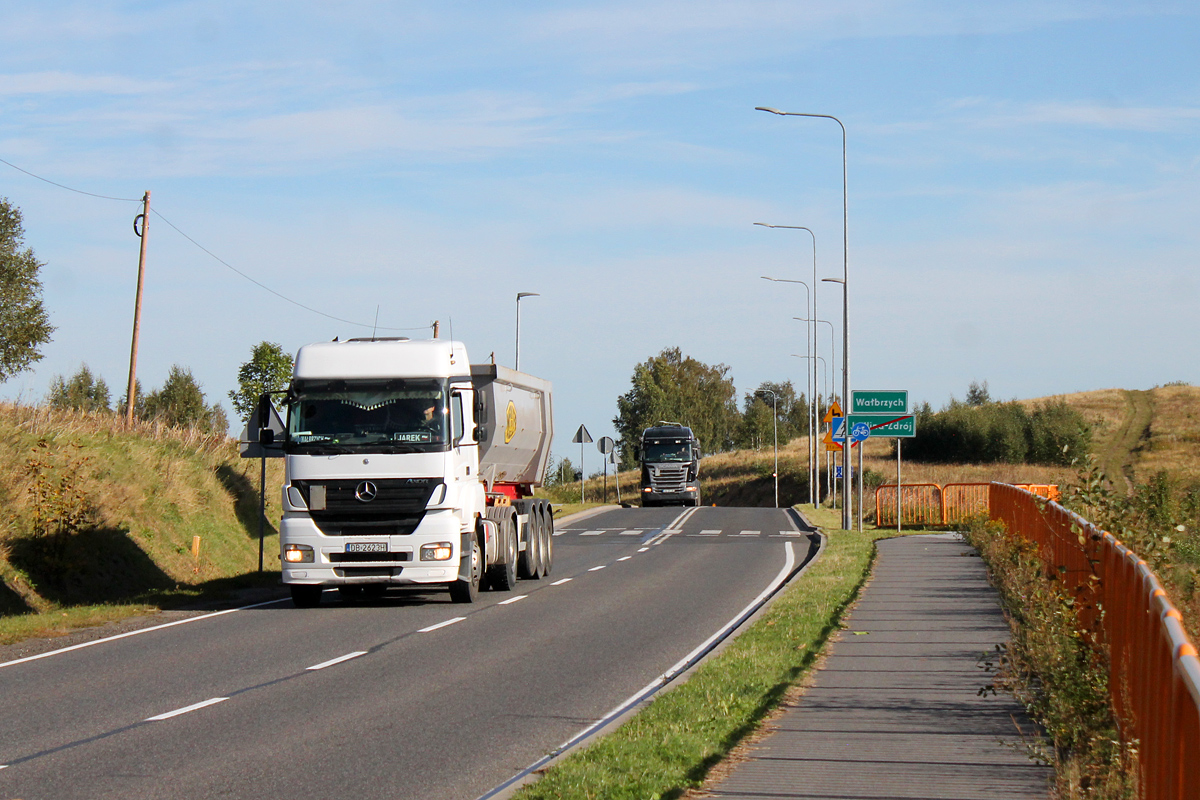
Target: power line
x=209, y=252
x=261, y=285
x=68, y=188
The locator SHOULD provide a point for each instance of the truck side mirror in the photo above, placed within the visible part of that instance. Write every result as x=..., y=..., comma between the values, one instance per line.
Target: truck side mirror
x=480, y=433
x=266, y=436
x=637, y=454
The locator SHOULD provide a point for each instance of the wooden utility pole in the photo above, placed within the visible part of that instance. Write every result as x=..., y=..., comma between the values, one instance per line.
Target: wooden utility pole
x=137, y=304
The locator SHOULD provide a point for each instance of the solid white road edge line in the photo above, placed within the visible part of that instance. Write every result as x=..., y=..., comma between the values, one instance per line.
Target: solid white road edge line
x=139, y=632
x=194, y=707
x=337, y=660
x=561, y=582
x=668, y=676
x=441, y=625
x=512, y=599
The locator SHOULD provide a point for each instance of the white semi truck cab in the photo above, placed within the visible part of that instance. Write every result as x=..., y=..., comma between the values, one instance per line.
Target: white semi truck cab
x=407, y=466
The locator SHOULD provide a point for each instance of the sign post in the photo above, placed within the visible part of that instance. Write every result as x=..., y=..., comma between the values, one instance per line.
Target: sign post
x=581, y=438
x=605, y=446
x=884, y=413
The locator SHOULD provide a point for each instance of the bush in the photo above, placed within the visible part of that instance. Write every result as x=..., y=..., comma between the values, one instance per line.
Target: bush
x=84, y=392
x=990, y=432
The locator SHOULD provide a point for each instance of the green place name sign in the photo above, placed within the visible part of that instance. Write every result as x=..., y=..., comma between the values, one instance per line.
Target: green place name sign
x=879, y=401
x=892, y=426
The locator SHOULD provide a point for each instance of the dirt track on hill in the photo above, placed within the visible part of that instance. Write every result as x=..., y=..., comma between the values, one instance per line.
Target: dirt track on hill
x=1117, y=456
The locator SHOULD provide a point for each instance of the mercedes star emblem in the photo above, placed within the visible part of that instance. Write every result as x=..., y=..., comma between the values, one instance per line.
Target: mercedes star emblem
x=366, y=492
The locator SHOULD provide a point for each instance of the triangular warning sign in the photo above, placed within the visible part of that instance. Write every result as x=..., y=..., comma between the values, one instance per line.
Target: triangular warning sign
x=582, y=436
x=830, y=444
x=834, y=411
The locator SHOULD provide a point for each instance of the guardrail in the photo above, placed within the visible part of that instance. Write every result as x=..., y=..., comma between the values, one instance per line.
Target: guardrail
x=1155, y=674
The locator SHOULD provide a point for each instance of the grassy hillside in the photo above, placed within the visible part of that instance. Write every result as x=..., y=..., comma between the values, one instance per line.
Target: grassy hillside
x=99, y=514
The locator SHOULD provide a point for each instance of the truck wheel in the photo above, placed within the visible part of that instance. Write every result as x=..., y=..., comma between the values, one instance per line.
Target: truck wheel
x=502, y=576
x=305, y=595
x=467, y=590
x=528, y=562
x=547, y=539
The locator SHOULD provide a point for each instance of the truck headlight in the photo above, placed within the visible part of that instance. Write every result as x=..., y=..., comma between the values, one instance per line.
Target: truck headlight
x=438, y=551
x=298, y=554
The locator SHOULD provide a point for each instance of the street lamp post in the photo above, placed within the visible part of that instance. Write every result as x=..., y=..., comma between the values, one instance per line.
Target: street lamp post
x=809, y=298
x=775, y=419
x=816, y=472
x=517, y=348
x=814, y=424
x=845, y=296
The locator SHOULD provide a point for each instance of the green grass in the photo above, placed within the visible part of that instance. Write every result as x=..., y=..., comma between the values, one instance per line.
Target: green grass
x=671, y=745
x=124, y=507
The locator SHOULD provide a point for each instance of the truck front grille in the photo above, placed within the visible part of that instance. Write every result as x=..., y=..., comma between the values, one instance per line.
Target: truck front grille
x=396, y=508
x=343, y=558
x=668, y=479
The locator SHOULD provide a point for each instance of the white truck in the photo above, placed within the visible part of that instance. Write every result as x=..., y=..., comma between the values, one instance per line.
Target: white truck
x=405, y=465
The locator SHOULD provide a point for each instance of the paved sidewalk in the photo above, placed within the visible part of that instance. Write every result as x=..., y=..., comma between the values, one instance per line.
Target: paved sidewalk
x=894, y=712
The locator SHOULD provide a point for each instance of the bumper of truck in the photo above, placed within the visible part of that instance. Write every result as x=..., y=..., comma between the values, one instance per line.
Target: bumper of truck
x=401, y=564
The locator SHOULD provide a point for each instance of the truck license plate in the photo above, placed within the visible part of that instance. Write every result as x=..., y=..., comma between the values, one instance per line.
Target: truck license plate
x=366, y=547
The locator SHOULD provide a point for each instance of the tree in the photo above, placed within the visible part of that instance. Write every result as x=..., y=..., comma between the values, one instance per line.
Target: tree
x=24, y=326
x=181, y=402
x=678, y=388
x=268, y=370
x=977, y=394
x=84, y=392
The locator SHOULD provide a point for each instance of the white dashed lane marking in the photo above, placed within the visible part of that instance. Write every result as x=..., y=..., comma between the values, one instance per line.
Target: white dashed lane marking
x=512, y=599
x=597, y=569
x=441, y=625
x=591, y=533
x=749, y=533
x=186, y=709
x=561, y=582
x=337, y=660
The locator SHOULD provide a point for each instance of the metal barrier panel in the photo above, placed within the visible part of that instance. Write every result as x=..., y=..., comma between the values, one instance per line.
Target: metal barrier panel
x=920, y=504
x=961, y=501
x=1155, y=674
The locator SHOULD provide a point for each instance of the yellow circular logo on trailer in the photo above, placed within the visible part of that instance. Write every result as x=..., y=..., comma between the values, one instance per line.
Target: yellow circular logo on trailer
x=510, y=426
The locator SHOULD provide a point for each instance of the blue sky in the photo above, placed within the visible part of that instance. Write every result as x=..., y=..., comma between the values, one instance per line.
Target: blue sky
x=1023, y=188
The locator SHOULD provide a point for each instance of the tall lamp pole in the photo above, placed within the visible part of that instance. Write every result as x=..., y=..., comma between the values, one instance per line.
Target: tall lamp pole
x=775, y=419
x=810, y=296
x=814, y=424
x=517, y=349
x=845, y=299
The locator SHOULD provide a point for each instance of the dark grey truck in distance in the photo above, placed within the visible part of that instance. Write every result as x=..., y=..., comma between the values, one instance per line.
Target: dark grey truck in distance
x=670, y=457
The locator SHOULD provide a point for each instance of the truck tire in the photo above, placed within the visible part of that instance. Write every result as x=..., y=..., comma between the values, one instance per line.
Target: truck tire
x=527, y=563
x=547, y=539
x=466, y=590
x=305, y=595
x=502, y=576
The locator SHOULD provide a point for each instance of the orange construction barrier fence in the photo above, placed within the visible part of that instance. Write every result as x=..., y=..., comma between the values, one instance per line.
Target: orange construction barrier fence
x=931, y=504
x=1155, y=674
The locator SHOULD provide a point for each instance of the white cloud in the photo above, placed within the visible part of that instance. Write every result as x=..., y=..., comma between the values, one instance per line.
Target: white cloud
x=70, y=83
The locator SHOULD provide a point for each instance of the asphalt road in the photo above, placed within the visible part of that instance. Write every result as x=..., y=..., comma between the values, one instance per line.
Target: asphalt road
x=408, y=697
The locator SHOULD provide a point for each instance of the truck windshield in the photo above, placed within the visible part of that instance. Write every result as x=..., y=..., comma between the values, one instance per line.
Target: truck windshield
x=393, y=416
x=658, y=452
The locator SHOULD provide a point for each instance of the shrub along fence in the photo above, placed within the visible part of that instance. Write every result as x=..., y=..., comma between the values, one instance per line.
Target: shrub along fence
x=1154, y=673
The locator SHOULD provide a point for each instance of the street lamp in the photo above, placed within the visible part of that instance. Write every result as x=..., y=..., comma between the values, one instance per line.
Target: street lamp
x=845, y=295
x=517, y=349
x=847, y=477
x=816, y=473
x=775, y=420
x=808, y=296
x=813, y=423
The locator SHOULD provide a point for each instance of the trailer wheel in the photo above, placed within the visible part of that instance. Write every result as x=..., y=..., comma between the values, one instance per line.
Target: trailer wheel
x=528, y=563
x=537, y=538
x=502, y=576
x=547, y=538
x=305, y=595
x=467, y=590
